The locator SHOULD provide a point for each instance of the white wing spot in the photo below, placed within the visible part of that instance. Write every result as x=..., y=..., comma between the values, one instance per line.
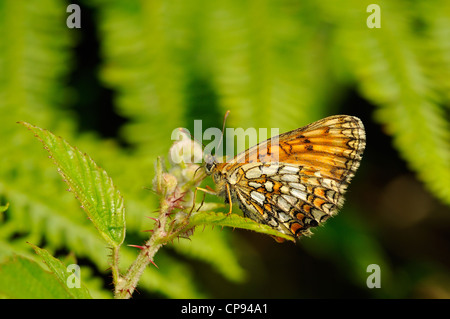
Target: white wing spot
x=270, y=170
x=253, y=173
x=284, y=189
x=289, y=178
x=327, y=207
x=269, y=186
x=283, y=217
x=329, y=183
x=298, y=186
x=299, y=194
x=291, y=199
x=289, y=170
x=283, y=204
x=257, y=197
x=317, y=214
x=254, y=184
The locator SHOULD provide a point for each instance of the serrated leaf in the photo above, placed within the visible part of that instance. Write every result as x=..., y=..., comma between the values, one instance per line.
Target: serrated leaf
x=91, y=185
x=235, y=221
x=62, y=274
x=22, y=278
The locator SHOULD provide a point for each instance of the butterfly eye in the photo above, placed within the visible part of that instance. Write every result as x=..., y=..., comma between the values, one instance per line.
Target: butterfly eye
x=209, y=166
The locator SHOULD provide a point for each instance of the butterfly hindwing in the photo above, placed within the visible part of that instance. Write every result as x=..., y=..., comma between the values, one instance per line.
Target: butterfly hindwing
x=296, y=180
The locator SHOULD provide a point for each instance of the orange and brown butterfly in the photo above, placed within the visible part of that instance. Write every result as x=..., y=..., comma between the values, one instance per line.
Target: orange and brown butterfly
x=296, y=182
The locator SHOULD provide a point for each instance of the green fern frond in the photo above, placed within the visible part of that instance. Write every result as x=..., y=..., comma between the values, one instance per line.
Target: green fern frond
x=33, y=60
x=434, y=46
x=217, y=253
x=272, y=63
x=266, y=76
x=389, y=72
x=58, y=225
x=139, y=63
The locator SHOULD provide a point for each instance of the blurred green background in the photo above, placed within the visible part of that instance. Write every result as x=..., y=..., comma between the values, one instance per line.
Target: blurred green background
x=136, y=70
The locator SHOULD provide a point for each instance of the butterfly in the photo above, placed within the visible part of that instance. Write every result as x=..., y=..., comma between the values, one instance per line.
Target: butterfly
x=297, y=180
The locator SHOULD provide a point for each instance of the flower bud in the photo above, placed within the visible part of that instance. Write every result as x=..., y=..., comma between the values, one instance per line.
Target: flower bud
x=184, y=150
x=169, y=183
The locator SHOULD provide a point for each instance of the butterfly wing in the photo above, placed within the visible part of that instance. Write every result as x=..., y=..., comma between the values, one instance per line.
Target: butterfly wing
x=298, y=180
x=288, y=197
x=333, y=145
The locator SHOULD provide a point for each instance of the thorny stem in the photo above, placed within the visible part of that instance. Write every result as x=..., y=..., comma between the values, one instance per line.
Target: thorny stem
x=127, y=284
x=162, y=234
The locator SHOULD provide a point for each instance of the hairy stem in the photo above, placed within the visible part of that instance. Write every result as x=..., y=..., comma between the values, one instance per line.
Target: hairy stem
x=166, y=186
x=115, y=264
x=127, y=284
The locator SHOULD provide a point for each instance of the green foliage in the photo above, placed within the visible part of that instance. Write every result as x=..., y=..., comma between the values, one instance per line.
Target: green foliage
x=33, y=282
x=4, y=208
x=91, y=185
x=215, y=252
x=388, y=65
x=234, y=221
x=59, y=270
x=273, y=63
x=104, y=206
x=153, y=98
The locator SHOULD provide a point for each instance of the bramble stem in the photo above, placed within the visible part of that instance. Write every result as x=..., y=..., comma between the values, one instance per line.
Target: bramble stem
x=127, y=284
x=115, y=264
x=162, y=234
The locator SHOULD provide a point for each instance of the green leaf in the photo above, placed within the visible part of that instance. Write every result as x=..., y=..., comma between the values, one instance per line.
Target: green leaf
x=235, y=221
x=91, y=185
x=21, y=278
x=62, y=273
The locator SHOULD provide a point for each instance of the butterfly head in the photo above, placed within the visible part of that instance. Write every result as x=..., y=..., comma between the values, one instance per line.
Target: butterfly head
x=210, y=164
x=213, y=168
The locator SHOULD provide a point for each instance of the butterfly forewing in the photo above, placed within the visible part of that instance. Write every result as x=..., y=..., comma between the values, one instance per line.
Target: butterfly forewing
x=297, y=180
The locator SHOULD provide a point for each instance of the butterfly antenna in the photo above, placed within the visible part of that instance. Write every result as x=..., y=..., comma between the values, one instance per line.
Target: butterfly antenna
x=223, y=128
x=196, y=171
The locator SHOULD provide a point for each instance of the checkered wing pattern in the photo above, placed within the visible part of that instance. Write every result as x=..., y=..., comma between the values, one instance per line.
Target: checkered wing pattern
x=297, y=180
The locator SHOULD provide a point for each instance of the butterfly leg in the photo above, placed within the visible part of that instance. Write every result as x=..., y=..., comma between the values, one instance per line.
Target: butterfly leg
x=229, y=199
x=201, y=204
x=204, y=190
